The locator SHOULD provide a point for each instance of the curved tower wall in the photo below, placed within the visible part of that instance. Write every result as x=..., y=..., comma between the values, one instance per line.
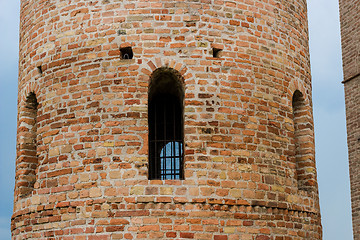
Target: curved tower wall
x=82, y=163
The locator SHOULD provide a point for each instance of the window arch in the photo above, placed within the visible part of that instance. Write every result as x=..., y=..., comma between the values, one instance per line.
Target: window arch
x=166, y=125
x=304, y=142
x=27, y=160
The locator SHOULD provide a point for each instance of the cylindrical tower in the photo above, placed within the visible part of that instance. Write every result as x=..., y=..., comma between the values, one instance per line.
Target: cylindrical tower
x=165, y=119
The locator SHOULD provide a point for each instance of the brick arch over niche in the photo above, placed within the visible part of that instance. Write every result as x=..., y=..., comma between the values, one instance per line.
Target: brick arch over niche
x=31, y=87
x=296, y=85
x=151, y=66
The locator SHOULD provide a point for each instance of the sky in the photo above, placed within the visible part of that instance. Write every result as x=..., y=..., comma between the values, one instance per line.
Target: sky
x=328, y=101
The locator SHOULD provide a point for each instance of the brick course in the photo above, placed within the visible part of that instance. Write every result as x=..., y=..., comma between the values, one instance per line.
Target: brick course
x=245, y=176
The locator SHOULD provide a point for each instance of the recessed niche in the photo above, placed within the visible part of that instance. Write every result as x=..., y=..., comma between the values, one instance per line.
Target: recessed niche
x=27, y=160
x=126, y=53
x=216, y=52
x=39, y=69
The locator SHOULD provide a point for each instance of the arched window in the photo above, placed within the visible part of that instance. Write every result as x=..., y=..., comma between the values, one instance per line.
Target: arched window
x=304, y=143
x=27, y=160
x=166, y=134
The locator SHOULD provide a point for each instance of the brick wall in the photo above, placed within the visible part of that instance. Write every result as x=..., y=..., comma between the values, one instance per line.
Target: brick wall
x=350, y=34
x=350, y=37
x=241, y=170
x=352, y=96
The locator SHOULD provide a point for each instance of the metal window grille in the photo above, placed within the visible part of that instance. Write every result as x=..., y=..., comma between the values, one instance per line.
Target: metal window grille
x=166, y=148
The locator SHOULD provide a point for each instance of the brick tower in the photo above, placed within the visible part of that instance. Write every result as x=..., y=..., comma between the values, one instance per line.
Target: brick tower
x=350, y=34
x=165, y=119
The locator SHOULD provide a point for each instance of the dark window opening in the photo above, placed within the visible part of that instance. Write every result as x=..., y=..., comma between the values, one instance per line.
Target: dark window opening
x=166, y=144
x=126, y=53
x=31, y=103
x=39, y=69
x=216, y=52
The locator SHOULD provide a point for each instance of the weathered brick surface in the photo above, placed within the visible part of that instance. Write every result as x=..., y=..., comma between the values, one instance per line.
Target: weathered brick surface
x=352, y=100
x=249, y=151
x=350, y=35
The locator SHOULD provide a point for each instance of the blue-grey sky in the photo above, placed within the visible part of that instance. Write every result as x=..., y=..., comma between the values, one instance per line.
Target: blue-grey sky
x=329, y=115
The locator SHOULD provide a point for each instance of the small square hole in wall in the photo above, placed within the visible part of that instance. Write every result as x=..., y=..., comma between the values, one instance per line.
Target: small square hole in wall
x=126, y=53
x=216, y=52
x=39, y=69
